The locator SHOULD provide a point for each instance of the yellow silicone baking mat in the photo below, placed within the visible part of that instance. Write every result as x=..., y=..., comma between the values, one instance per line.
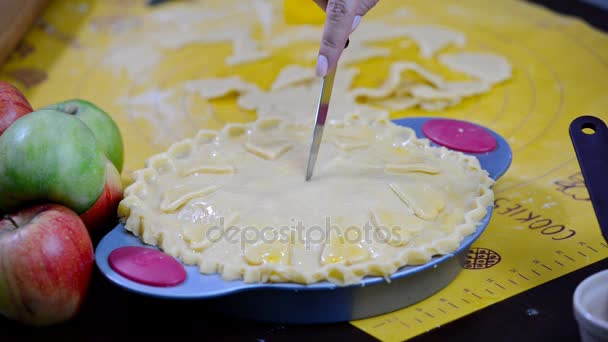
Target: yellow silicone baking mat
x=543, y=226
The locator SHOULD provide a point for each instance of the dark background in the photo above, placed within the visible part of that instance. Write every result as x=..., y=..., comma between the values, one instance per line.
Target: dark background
x=110, y=311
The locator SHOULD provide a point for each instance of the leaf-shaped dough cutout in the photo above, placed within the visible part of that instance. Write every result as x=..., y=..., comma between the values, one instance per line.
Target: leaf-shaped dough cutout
x=196, y=236
x=269, y=149
x=423, y=200
x=339, y=249
x=234, y=130
x=396, y=229
x=208, y=168
x=276, y=253
x=451, y=219
x=407, y=168
x=176, y=197
x=347, y=144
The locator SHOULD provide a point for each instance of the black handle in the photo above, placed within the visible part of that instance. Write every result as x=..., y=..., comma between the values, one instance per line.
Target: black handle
x=590, y=139
x=156, y=2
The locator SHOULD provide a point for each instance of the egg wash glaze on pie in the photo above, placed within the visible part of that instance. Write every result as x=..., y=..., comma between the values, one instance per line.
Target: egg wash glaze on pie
x=235, y=201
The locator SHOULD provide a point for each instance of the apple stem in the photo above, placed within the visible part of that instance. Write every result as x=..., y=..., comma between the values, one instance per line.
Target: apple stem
x=71, y=109
x=11, y=220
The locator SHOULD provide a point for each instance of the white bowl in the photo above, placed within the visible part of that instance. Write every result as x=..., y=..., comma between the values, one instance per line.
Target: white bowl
x=591, y=307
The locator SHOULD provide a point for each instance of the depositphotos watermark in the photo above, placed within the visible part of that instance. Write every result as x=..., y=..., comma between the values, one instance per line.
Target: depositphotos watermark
x=298, y=233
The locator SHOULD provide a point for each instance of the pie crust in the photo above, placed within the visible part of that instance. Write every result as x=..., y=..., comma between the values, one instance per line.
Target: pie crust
x=235, y=201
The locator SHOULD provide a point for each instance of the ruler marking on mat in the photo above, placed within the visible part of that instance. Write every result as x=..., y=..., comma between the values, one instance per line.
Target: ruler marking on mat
x=494, y=285
x=424, y=312
x=593, y=249
x=519, y=275
x=404, y=324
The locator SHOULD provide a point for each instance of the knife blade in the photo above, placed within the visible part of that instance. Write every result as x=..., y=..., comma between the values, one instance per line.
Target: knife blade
x=322, y=109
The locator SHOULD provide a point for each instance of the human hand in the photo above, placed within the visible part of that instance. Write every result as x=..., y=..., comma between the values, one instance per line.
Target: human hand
x=342, y=18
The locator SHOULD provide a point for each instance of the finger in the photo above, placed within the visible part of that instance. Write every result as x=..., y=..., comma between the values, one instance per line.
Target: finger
x=321, y=3
x=338, y=25
x=364, y=7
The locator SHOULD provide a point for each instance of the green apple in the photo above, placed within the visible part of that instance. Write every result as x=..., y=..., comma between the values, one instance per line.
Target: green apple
x=48, y=155
x=105, y=129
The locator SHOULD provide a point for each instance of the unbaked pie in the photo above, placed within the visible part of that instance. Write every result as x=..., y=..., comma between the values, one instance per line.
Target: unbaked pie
x=235, y=201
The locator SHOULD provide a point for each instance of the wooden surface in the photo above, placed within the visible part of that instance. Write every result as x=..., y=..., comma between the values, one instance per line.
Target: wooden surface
x=16, y=17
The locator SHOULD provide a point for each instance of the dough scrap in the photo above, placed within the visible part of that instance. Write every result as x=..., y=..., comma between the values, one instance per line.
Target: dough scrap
x=357, y=52
x=437, y=105
x=173, y=27
x=292, y=75
x=159, y=108
x=245, y=50
x=135, y=60
x=294, y=34
x=394, y=80
x=397, y=103
x=211, y=88
x=431, y=39
x=298, y=93
x=486, y=67
x=449, y=90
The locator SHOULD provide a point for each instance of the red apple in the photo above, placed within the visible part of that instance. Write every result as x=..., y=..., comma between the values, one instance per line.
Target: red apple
x=13, y=105
x=106, y=205
x=46, y=259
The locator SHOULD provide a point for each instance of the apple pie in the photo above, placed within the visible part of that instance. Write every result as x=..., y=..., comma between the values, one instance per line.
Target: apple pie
x=235, y=201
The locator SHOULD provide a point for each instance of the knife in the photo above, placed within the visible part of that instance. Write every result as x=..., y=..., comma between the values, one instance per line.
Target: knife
x=322, y=108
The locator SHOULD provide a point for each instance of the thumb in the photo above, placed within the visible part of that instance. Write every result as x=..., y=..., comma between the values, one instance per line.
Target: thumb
x=338, y=25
